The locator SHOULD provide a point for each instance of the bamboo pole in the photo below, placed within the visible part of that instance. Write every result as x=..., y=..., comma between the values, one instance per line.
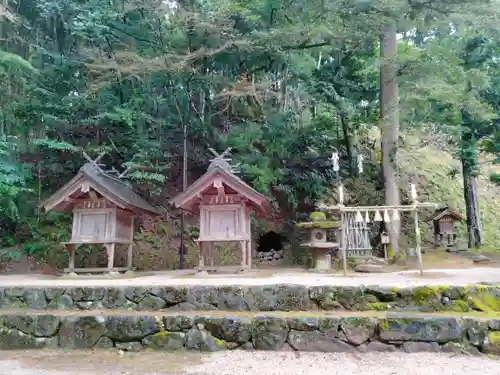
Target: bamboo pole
x=402, y=208
x=418, y=243
x=343, y=240
x=343, y=236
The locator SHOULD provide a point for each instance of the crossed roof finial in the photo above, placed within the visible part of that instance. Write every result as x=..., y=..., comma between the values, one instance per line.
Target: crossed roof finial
x=222, y=161
x=113, y=173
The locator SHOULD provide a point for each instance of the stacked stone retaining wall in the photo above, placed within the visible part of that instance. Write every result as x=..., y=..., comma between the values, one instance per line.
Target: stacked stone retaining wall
x=133, y=331
x=267, y=317
x=280, y=297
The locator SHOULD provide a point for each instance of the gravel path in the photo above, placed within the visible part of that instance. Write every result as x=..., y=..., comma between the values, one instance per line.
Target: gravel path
x=263, y=277
x=287, y=363
x=245, y=363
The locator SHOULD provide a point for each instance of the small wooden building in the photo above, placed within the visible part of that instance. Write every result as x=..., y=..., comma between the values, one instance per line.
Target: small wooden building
x=443, y=225
x=224, y=204
x=104, y=209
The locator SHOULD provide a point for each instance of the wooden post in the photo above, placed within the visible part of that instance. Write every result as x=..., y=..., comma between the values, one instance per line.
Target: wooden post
x=72, y=251
x=243, y=254
x=201, y=259
x=130, y=247
x=129, y=256
x=212, y=253
x=343, y=242
x=110, y=248
x=249, y=254
x=418, y=241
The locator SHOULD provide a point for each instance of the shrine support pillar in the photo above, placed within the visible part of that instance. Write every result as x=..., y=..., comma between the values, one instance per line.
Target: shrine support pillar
x=110, y=249
x=211, y=251
x=243, y=245
x=249, y=254
x=129, y=256
x=71, y=253
x=201, y=259
x=131, y=245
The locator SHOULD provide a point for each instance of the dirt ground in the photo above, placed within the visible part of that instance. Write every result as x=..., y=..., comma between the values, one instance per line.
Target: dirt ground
x=242, y=363
x=434, y=276
x=45, y=362
x=439, y=268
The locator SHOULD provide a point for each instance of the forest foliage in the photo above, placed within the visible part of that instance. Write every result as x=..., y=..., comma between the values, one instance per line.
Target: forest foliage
x=283, y=82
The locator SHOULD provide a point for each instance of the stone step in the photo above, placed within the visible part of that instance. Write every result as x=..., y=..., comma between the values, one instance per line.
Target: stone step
x=274, y=297
x=224, y=330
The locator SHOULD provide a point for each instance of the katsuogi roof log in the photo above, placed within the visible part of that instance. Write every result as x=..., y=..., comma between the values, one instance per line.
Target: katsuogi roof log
x=221, y=175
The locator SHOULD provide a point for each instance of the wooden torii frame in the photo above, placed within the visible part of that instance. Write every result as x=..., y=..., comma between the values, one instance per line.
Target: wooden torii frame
x=362, y=213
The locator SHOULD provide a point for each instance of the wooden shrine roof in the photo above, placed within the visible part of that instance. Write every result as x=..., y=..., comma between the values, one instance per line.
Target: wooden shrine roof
x=108, y=186
x=189, y=200
x=446, y=212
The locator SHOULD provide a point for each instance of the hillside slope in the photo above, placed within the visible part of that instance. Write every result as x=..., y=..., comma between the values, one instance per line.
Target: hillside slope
x=432, y=164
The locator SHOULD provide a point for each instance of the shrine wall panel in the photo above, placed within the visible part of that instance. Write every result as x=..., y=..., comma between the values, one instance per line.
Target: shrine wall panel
x=93, y=224
x=223, y=222
x=123, y=226
x=446, y=226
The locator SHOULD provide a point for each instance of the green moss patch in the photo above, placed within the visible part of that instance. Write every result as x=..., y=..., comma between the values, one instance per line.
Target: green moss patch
x=327, y=224
x=480, y=298
x=493, y=346
x=378, y=306
x=459, y=306
x=317, y=216
x=483, y=298
x=421, y=295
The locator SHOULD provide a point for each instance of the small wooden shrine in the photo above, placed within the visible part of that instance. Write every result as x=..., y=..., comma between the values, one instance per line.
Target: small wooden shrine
x=444, y=227
x=104, y=208
x=224, y=203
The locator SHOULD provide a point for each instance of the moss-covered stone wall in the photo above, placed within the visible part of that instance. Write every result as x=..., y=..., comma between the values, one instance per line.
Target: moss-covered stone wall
x=285, y=331
x=279, y=297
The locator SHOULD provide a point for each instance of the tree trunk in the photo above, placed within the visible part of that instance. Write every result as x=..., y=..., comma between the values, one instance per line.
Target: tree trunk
x=470, y=194
x=348, y=143
x=389, y=116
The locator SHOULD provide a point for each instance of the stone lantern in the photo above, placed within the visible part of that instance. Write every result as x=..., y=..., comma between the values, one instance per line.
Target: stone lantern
x=318, y=227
